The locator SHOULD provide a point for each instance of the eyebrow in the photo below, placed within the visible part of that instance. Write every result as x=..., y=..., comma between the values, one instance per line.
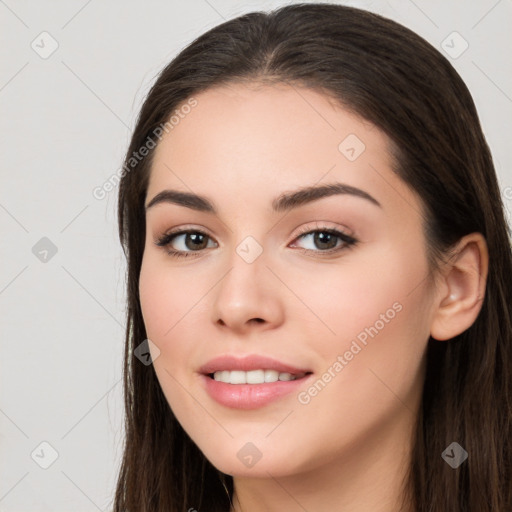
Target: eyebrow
x=285, y=202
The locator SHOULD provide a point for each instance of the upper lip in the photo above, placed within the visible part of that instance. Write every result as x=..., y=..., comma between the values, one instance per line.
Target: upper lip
x=248, y=363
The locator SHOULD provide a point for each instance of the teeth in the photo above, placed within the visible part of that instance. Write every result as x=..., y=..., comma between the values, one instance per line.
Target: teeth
x=253, y=376
x=271, y=376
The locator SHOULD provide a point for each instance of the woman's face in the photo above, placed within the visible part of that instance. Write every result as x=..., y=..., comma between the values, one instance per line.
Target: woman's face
x=327, y=288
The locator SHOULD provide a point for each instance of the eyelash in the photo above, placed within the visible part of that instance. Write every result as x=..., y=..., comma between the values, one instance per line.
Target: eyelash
x=349, y=242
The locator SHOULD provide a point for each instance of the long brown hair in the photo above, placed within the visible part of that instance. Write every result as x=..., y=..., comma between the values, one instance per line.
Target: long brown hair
x=393, y=78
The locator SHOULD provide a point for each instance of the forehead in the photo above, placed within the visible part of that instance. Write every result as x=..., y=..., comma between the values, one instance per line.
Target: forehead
x=247, y=118
x=264, y=139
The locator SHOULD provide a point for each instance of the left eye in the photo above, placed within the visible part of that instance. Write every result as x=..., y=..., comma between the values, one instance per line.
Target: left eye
x=327, y=239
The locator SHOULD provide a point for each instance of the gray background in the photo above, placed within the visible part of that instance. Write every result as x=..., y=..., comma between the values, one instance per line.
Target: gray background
x=65, y=122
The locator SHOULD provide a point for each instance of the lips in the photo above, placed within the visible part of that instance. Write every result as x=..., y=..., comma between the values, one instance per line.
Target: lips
x=250, y=382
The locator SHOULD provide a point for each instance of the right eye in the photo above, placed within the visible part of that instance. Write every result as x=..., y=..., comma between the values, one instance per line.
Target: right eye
x=191, y=241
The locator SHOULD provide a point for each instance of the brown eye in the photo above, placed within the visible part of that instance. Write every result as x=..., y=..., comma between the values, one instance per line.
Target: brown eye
x=183, y=242
x=326, y=240
x=195, y=241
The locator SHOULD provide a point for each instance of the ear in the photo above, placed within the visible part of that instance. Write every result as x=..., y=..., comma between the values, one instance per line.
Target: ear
x=461, y=288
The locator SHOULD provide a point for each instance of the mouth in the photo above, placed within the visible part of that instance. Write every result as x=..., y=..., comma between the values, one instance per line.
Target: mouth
x=250, y=382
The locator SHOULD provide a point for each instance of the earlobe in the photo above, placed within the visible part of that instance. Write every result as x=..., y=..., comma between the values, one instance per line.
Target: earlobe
x=463, y=288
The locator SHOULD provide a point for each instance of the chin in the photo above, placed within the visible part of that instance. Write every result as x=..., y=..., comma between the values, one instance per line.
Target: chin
x=248, y=462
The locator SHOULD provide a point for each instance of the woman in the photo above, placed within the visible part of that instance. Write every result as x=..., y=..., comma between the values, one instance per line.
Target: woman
x=320, y=269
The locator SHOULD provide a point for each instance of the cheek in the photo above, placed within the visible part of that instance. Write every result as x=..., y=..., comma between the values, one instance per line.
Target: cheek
x=166, y=310
x=371, y=298
x=166, y=296
x=373, y=363
x=172, y=300
x=372, y=366
x=155, y=294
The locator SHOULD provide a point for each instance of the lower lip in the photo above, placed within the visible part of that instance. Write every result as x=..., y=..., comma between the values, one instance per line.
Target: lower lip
x=249, y=396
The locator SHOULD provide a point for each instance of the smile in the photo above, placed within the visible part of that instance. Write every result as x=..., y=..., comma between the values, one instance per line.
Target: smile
x=250, y=381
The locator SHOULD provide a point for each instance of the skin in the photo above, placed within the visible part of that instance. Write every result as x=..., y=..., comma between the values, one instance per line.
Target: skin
x=347, y=449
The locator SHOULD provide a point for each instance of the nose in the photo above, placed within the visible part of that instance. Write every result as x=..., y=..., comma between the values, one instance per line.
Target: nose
x=248, y=297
